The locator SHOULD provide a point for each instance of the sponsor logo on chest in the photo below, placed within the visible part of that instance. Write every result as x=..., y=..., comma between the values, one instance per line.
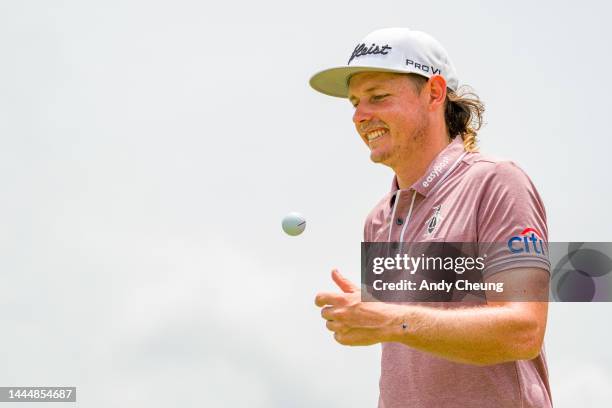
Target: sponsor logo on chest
x=432, y=224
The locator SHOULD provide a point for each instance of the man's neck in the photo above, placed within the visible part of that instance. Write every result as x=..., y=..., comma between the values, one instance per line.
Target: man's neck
x=412, y=168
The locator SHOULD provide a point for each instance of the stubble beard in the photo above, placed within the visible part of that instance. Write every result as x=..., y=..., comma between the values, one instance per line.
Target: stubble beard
x=404, y=151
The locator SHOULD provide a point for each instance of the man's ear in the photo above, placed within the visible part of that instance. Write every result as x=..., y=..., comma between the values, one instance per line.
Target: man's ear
x=437, y=91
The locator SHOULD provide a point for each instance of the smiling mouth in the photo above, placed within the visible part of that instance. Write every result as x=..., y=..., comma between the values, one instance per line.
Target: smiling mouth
x=375, y=134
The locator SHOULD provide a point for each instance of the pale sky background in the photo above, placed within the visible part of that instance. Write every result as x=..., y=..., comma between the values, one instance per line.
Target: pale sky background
x=149, y=150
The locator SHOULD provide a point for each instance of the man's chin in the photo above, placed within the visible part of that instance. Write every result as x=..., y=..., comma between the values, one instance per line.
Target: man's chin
x=379, y=158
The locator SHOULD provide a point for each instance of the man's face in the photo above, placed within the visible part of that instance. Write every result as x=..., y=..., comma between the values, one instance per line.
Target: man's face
x=390, y=116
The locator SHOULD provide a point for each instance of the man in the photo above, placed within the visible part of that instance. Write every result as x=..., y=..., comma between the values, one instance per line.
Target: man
x=411, y=115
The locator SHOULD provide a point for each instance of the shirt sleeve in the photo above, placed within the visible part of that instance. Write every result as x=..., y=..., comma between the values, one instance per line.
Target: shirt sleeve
x=511, y=221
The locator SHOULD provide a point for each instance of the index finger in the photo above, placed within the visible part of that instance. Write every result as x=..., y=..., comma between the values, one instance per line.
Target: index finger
x=329, y=298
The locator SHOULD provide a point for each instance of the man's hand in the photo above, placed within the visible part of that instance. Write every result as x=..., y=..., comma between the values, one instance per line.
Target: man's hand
x=355, y=323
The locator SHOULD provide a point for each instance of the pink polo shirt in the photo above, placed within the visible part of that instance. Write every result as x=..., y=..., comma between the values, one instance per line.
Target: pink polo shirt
x=462, y=197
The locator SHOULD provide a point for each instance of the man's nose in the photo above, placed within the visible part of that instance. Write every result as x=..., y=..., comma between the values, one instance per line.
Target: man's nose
x=362, y=114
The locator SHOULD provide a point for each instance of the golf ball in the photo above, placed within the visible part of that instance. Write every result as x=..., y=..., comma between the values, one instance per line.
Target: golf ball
x=294, y=224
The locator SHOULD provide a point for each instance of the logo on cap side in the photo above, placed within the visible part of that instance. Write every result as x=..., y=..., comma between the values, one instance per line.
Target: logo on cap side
x=361, y=50
x=423, y=67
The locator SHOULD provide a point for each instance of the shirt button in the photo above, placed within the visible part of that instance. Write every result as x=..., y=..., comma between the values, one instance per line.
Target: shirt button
x=399, y=221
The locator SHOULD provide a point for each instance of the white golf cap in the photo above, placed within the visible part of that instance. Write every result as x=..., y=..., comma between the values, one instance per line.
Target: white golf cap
x=398, y=50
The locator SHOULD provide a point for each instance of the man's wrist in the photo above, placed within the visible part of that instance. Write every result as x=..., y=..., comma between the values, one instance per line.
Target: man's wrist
x=398, y=327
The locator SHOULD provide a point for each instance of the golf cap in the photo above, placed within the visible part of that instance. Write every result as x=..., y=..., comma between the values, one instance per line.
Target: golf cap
x=399, y=50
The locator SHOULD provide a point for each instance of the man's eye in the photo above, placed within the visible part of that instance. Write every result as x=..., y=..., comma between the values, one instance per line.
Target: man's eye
x=379, y=97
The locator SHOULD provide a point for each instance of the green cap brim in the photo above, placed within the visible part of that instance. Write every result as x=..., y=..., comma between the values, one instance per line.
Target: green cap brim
x=335, y=81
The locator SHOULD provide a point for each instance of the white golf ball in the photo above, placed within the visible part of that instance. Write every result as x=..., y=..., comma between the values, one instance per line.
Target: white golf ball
x=294, y=224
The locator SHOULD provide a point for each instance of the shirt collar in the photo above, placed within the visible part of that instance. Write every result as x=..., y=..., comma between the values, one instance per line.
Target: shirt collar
x=438, y=169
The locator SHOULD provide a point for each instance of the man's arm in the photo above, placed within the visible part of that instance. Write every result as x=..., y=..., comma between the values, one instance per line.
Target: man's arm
x=481, y=335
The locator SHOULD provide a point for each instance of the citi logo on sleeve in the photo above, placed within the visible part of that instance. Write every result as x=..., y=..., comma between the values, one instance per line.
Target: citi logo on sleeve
x=361, y=50
x=526, y=241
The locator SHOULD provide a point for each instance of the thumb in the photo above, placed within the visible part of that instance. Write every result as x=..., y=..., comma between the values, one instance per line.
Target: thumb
x=346, y=285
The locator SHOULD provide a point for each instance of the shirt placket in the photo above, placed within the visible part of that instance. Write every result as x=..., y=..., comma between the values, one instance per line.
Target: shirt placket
x=399, y=220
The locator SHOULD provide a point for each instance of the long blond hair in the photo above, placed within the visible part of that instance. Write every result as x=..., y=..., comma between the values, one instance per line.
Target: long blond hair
x=463, y=113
